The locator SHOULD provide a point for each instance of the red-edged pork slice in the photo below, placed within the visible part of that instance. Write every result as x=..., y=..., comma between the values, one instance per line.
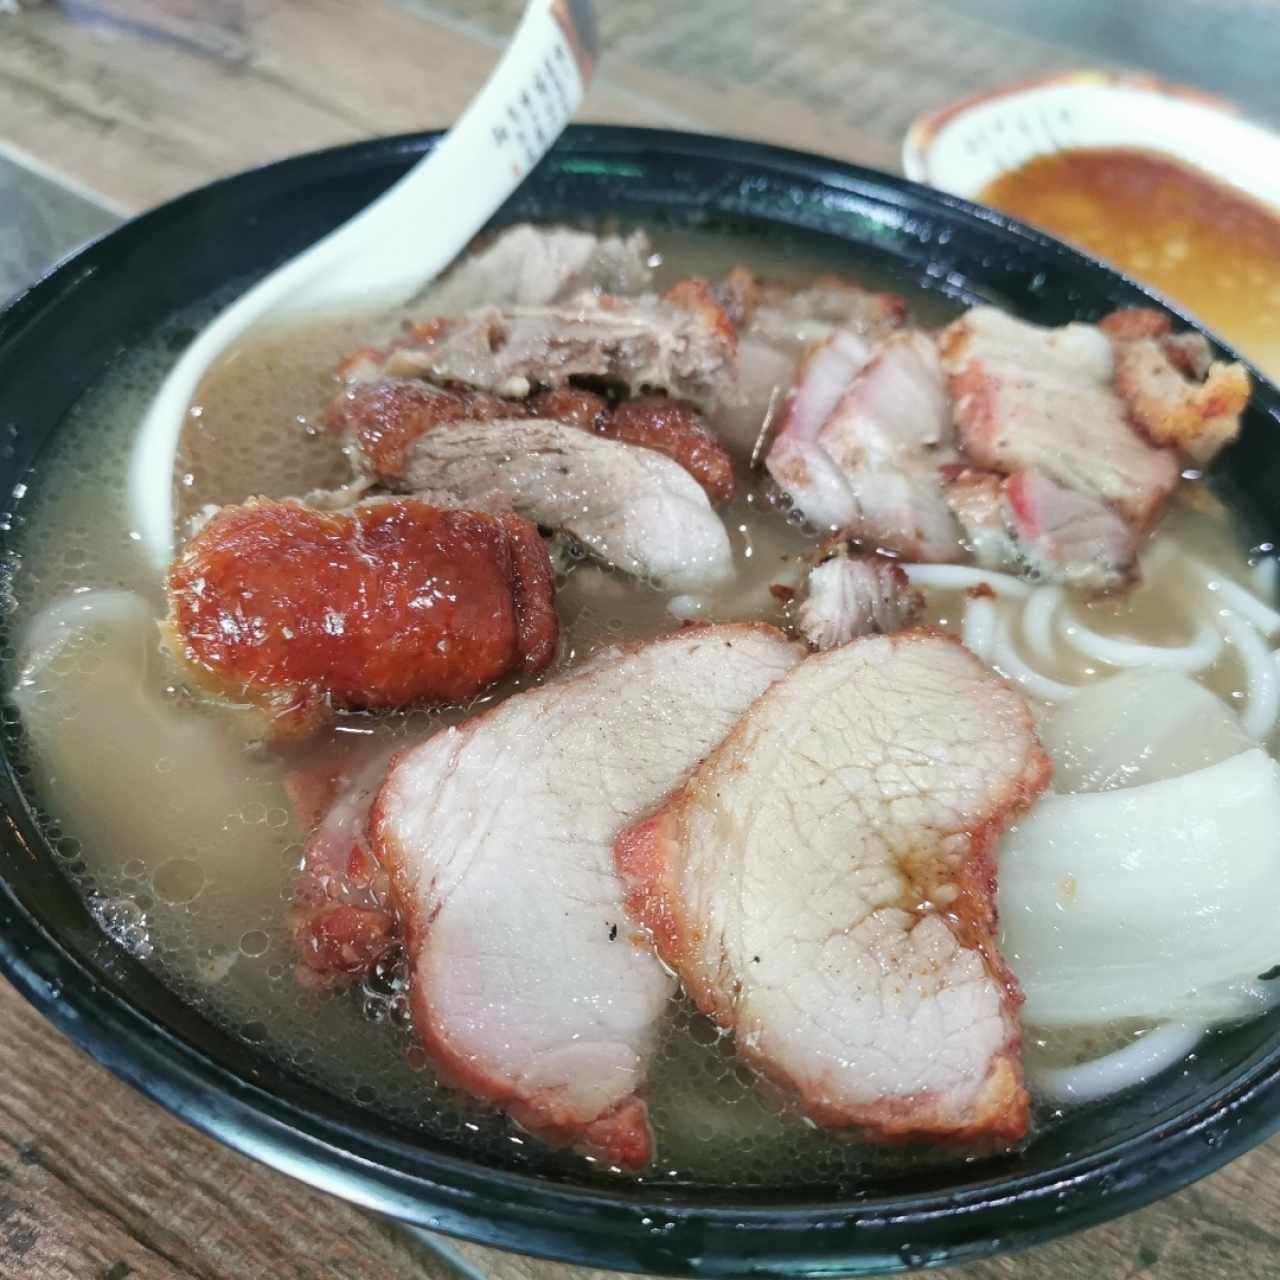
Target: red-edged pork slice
x=1027, y=523
x=1026, y=398
x=528, y=986
x=632, y=507
x=850, y=595
x=341, y=919
x=824, y=887
x=888, y=434
x=796, y=461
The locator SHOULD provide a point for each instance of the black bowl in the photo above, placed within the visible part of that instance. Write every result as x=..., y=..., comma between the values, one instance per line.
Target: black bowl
x=59, y=338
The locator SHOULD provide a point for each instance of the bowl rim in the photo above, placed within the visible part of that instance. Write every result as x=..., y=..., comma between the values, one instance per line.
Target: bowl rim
x=926, y=129
x=537, y=1215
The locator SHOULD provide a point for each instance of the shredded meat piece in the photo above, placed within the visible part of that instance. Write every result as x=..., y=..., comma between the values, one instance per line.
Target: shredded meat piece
x=386, y=605
x=824, y=887
x=851, y=595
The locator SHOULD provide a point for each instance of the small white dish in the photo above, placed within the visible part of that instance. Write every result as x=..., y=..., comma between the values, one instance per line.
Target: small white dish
x=963, y=147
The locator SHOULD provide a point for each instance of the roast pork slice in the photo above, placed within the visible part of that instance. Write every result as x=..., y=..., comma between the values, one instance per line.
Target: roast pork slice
x=637, y=344
x=298, y=611
x=799, y=465
x=824, y=887
x=888, y=434
x=632, y=507
x=1027, y=523
x=531, y=266
x=529, y=988
x=1025, y=398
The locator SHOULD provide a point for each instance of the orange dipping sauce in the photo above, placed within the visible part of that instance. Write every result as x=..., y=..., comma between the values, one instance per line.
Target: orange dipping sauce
x=1209, y=247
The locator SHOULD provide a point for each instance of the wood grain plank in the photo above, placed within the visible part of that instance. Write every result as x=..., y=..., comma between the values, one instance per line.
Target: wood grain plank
x=127, y=100
x=97, y=1182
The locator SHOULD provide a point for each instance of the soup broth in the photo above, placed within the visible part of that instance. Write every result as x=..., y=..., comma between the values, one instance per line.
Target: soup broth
x=178, y=829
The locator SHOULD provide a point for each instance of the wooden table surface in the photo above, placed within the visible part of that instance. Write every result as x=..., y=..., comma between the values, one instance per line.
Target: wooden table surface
x=108, y=106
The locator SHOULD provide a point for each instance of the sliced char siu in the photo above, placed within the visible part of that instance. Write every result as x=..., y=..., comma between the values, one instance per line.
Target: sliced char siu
x=824, y=887
x=528, y=986
x=296, y=611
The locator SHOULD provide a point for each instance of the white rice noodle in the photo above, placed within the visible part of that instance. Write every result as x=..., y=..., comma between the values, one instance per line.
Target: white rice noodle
x=960, y=577
x=1240, y=600
x=1006, y=659
x=1262, y=689
x=1154, y=902
x=1136, y=1063
x=1037, y=622
x=978, y=630
x=1200, y=653
x=67, y=618
x=1266, y=577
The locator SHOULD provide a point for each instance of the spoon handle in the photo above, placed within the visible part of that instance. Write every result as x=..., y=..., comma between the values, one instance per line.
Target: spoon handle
x=390, y=250
x=440, y=204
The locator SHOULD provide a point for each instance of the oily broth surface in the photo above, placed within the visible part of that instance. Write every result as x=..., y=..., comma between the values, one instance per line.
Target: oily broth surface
x=195, y=879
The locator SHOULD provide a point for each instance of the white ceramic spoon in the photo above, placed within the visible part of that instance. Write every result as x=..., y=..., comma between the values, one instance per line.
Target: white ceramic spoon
x=390, y=250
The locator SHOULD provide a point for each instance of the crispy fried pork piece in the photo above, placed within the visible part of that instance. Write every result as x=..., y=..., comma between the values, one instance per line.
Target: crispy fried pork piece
x=528, y=986
x=1026, y=398
x=531, y=266
x=639, y=344
x=381, y=420
x=341, y=921
x=296, y=611
x=1027, y=523
x=850, y=595
x=1174, y=390
x=631, y=507
x=824, y=887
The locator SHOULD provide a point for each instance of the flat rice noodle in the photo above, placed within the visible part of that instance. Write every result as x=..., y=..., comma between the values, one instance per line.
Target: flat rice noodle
x=1138, y=727
x=1152, y=902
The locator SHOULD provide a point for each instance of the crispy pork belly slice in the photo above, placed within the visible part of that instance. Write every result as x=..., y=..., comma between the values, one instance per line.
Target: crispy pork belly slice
x=824, y=887
x=888, y=434
x=640, y=344
x=850, y=595
x=799, y=465
x=295, y=611
x=528, y=986
x=1027, y=523
x=531, y=266
x=1026, y=398
x=340, y=920
x=631, y=507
